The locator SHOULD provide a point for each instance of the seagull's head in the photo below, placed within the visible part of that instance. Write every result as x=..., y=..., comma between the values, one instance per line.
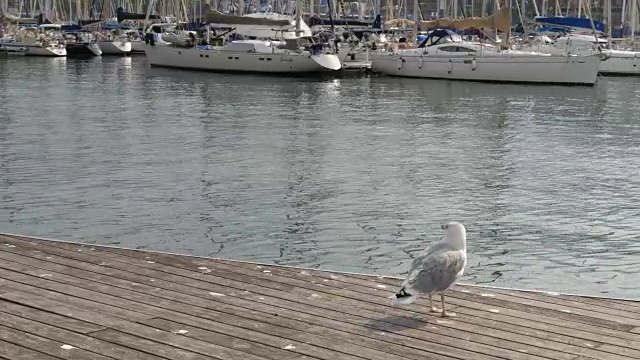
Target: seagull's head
x=455, y=232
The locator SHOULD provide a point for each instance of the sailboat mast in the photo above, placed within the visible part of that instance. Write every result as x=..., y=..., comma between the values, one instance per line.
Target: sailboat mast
x=609, y=22
x=579, y=8
x=634, y=18
x=415, y=18
x=298, y=16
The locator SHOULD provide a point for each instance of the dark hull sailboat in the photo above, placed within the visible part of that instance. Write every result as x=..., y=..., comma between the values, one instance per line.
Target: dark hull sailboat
x=83, y=49
x=81, y=43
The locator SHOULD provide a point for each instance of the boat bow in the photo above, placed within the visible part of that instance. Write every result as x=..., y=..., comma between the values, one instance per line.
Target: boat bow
x=328, y=61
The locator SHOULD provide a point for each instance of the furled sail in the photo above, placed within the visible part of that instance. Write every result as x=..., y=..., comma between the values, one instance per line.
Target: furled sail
x=214, y=17
x=501, y=20
x=316, y=20
x=398, y=23
x=572, y=22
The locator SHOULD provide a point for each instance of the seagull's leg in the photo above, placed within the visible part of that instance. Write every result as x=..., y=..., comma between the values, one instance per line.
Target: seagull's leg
x=444, y=312
x=433, y=308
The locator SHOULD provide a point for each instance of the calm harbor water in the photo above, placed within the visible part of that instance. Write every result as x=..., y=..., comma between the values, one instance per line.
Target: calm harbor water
x=352, y=174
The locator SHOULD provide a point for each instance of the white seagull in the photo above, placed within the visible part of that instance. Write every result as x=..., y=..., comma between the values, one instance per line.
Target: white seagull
x=436, y=268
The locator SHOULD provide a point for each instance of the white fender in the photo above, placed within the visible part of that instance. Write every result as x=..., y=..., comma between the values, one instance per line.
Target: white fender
x=450, y=67
x=400, y=64
x=420, y=63
x=473, y=64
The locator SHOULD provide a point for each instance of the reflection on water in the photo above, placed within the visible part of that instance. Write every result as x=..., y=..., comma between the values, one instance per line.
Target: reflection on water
x=348, y=174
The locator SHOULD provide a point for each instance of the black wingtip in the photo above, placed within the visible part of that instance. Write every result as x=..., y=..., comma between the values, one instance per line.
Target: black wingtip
x=402, y=293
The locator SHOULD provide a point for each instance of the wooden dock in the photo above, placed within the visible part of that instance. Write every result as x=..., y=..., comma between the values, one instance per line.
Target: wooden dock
x=61, y=300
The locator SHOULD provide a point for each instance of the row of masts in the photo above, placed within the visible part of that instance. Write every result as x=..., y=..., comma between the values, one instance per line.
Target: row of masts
x=616, y=13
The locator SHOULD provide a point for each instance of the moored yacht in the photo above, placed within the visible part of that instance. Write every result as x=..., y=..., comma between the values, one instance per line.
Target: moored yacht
x=82, y=43
x=45, y=40
x=444, y=55
x=245, y=56
x=619, y=62
x=114, y=43
x=292, y=55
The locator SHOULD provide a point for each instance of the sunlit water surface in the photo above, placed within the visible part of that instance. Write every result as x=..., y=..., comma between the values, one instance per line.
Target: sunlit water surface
x=353, y=174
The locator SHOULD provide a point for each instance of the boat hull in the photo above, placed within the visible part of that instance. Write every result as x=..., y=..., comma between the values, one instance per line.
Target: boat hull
x=618, y=62
x=83, y=49
x=621, y=63
x=566, y=70
x=46, y=51
x=216, y=60
x=137, y=47
x=11, y=50
x=33, y=50
x=116, y=47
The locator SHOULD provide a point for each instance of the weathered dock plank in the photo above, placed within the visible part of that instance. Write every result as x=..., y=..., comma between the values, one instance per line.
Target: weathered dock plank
x=112, y=303
x=12, y=351
x=44, y=345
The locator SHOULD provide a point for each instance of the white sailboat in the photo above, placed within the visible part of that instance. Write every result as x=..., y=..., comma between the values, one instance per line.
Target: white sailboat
x=293, y=55
x=243, y=56
x=444, y=55
x=114, y=43
x=449, y=57
x=619, y=62
x=42, y=41
x=32, y=40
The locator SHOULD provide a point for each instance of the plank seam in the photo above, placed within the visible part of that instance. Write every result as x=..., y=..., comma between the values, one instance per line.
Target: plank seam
x=41, y=322
x=44, y=337
x=122, y=317
x=34, y=350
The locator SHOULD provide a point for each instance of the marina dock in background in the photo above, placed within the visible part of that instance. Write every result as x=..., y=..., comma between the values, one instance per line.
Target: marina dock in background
x=63, y=300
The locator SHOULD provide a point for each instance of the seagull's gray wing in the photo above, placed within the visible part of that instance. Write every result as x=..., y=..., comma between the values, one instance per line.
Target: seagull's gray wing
x=436, y=247
x=435, y=271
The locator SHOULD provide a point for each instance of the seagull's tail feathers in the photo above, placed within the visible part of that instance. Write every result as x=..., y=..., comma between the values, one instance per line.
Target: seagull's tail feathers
x=403, y=297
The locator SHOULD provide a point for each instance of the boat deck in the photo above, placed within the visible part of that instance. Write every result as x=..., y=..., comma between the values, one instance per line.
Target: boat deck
x=61, y=300
x=357, y=67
